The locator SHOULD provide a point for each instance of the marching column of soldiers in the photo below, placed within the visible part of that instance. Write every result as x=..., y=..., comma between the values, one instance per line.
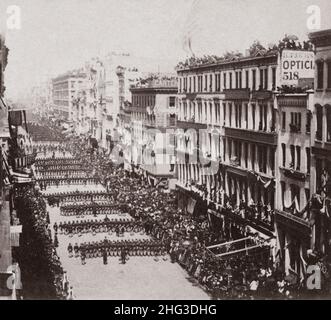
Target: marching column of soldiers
x=119, y=226
x=63, y=171
x=122, y=248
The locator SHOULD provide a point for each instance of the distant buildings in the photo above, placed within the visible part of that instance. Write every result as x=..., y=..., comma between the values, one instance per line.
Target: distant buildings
x=153, y=126
x=64, y=90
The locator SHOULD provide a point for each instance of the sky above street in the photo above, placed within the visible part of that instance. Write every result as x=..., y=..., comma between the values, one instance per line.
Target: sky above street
x=59, y=35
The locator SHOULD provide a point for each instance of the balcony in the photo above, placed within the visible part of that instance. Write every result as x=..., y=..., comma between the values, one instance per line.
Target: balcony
x=236, y=94
x=190, y=124
x=294, y=128
x=262, y=95
x=292, y=222
x=265, y=227
x=294, y=174
x=252, y=136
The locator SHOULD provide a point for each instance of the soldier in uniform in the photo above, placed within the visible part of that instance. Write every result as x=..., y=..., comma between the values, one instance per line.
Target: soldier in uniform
x=123, y=255
x=76, y=250
x=70, y=250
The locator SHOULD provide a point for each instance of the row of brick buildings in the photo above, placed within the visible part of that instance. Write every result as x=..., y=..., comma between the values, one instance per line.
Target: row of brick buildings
x=16, y=157
x=263, y=145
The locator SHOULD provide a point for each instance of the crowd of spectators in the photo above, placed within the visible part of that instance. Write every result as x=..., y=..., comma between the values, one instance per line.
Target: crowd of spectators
x=42, y=274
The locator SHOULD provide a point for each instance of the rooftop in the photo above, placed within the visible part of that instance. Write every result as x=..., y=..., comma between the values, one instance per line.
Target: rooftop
x=159, y=81
x=321, y=37
x=255, y=52
x=70, y=74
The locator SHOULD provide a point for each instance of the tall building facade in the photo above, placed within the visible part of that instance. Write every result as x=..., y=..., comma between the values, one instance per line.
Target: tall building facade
x=153, y=124
x=293, y=183
x=244, y=152
x=230, y=107
x=321, y=143
x=64, y=91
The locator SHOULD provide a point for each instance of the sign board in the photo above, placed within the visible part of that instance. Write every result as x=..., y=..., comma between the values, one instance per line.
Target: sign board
x=15, y=232
x=296, y=65
x=4, y=126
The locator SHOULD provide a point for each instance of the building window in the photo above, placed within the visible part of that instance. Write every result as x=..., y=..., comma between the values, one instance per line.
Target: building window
x=319, y=120
x=272, y=161
x=246, y=154
x=253, y=155
x=284, y=120
x=246, y=115
x=292, y=150
x=261, y=79
x=284, y=154
x=253, y=115
x=307, y=194
x=224, y=112
x=298, y=158
x=211, y=83
x=295, y=125
x=253, y=79
x=206, y=82
x=247, y=79
x=328, y=123
x=240, y=79
x=230, y=80
x=224, y=148
x=282, y=188
x=329, y=74
x=266, y=79
x=273, y=78
x=224, y=80
x=180, y=85
x=308, y=123
x=295, y=192
x=230, y=148
x=320, y=74
x=172, y=102
x=308, y=159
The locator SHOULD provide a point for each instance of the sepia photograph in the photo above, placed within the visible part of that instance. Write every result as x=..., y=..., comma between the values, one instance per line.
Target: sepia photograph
x=166, y=151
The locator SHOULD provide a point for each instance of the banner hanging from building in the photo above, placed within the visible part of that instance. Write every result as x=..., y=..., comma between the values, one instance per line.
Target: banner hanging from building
x=296, y=66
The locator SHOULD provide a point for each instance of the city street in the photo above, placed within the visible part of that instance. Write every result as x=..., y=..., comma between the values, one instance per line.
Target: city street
x=145, y=156
x=140, y=278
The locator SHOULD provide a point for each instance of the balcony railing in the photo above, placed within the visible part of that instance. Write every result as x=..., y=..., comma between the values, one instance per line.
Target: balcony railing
x=236, y=94
x=251, y=135
x=262, y=95
x=190, y=124
x=294, y=174
x=289, y=220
